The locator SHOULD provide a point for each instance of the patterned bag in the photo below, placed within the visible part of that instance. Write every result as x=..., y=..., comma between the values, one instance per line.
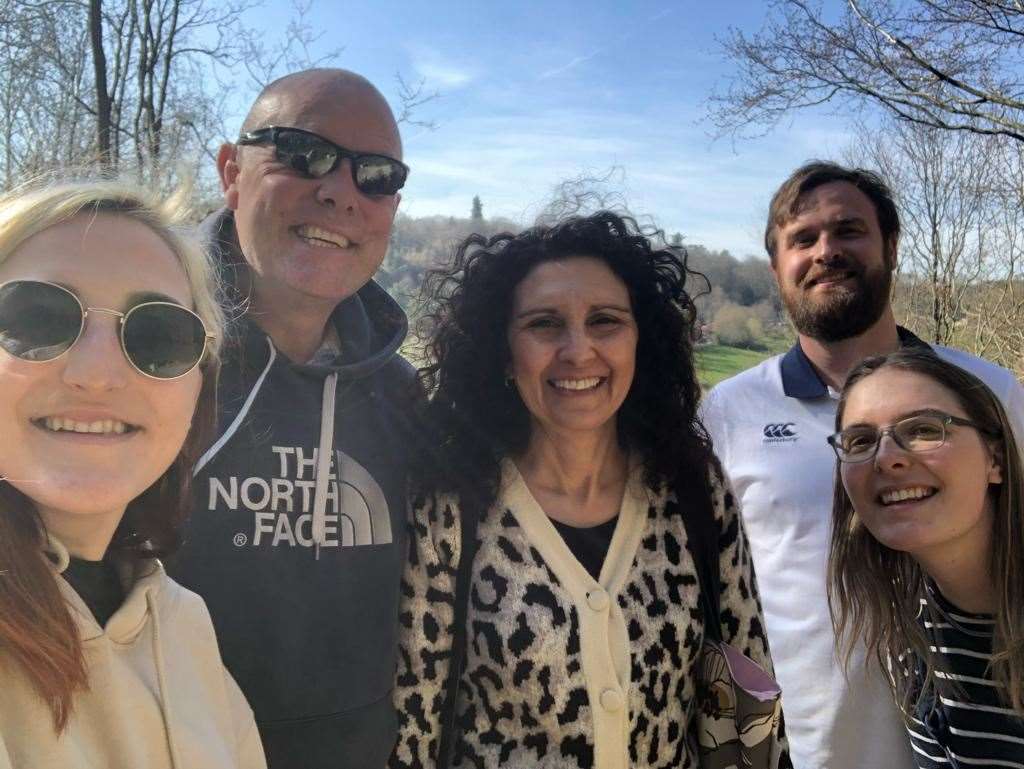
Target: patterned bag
x=738, y=711
x=738, y=704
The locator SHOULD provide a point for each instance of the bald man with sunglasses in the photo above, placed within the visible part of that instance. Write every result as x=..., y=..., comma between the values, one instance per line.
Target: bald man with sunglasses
x=296, y=538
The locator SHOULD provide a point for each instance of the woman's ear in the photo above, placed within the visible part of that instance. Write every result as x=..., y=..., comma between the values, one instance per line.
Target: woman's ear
x=995, y=466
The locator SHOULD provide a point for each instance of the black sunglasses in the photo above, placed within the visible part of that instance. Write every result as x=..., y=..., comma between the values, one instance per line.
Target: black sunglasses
x=314, y=156
x=41, y=321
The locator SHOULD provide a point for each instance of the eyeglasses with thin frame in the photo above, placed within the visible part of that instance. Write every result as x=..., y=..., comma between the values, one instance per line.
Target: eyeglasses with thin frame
x=919, y=432
x=314, y=156
x=41, y=321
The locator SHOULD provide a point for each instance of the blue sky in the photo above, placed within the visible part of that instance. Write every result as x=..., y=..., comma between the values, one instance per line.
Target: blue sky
x=536, y=92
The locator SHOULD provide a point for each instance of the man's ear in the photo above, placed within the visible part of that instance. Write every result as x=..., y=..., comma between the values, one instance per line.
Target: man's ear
x=228, y=170
x=891, y=249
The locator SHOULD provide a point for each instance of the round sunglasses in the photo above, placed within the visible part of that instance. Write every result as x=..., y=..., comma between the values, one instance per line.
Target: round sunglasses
x=314, y=156
x=40, y=321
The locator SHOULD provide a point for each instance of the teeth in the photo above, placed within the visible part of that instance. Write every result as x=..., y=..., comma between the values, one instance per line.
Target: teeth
x=899, y=495
x=577, y=384
x=318, y=236
x=100, y=426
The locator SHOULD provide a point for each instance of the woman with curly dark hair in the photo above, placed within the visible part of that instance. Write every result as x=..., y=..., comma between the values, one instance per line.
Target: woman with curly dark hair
x=567, y=465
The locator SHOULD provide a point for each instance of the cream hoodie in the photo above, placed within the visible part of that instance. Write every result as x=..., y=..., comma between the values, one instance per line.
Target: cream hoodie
x=158, y=698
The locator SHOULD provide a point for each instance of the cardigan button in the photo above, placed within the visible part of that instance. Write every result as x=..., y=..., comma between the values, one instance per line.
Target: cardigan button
x=611, y=700
x=597, y=600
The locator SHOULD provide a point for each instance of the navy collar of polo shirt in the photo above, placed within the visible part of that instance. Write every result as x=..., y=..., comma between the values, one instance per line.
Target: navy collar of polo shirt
x=800, y=380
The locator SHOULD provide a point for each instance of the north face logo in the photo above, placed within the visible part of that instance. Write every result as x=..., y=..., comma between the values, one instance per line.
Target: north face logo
x=780, y=432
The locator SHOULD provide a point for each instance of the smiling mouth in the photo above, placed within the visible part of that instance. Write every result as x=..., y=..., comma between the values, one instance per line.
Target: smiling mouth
x=578, y=385
x=321, y=238
x=95, y=427
x=910, y=494
x=832, y=278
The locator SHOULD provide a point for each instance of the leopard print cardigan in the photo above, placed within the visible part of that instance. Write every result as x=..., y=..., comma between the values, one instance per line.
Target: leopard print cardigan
x=563, y=670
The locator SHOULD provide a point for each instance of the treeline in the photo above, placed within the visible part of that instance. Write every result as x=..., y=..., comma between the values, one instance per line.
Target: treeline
x=738, y=304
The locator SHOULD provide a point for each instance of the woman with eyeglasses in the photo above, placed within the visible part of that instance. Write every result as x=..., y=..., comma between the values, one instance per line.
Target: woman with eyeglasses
x=553, y=609
x=109, y=331
x=927, y=557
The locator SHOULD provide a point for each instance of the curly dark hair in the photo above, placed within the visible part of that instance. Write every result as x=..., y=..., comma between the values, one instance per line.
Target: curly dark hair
x=475, y=419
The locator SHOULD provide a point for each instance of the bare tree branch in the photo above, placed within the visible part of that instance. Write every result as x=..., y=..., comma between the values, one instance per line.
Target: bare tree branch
x=411, y=97
x=951, y=64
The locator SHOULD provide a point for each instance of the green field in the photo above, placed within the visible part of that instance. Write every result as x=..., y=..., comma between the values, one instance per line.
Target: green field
x=716, y=362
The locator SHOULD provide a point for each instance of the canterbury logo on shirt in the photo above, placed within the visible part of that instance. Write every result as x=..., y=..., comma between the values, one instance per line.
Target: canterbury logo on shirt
x=780, y=432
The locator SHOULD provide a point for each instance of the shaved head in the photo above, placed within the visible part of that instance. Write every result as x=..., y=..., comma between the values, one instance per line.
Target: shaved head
x=291, y=98
x=311, y=241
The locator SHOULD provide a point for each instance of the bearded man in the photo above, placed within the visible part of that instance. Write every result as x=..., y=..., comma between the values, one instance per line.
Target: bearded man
x=831, y=237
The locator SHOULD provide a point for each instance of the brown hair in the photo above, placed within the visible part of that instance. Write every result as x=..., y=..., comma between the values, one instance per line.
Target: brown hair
x=785, y=204
x=36, y=628
x=875, y=592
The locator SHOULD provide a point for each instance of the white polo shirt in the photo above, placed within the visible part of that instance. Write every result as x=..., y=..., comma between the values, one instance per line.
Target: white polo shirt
x=769, y=426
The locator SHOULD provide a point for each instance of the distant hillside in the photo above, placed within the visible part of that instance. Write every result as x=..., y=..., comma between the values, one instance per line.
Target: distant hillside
x=746, y=287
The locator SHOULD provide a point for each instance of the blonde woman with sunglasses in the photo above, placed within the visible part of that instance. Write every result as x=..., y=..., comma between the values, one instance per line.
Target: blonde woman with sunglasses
x=927, y=558
x=108, y=360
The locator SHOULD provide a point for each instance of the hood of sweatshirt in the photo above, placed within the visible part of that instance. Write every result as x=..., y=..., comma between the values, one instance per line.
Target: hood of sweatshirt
x=142, y=581
x=371, y=326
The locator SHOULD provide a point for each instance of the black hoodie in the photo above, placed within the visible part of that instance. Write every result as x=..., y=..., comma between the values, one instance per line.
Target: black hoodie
x=301, y=576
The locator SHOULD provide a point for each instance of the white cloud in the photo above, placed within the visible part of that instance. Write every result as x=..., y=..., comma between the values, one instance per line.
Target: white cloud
x=438, y=70
x=571, y=64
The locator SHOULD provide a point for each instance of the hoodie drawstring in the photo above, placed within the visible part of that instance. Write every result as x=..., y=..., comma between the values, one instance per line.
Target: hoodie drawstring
x=161, y=679
x=323, y=462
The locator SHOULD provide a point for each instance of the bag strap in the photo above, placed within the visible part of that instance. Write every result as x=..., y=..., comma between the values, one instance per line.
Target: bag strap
x=468, y=519
x=702, y=532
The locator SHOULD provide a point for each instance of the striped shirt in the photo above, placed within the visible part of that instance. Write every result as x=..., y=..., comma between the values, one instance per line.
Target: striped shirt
x=969, y=727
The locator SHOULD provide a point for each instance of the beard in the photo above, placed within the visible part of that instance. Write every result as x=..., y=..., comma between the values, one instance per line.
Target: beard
x=843, y=312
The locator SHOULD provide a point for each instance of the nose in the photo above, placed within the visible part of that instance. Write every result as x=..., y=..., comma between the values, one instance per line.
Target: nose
x=338, y=189
x=96, y=362
x=890, y=455
x=828, y=247
x=577, y=347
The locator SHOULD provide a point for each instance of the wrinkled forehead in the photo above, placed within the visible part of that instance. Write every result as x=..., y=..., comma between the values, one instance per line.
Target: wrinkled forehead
x=353, y=115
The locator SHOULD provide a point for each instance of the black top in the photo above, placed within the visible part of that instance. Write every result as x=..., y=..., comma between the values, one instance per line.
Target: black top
x=98, y=585
x=589, y=545
x=969, y=726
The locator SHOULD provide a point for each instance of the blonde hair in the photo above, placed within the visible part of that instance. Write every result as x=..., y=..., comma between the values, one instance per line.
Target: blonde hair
x=37, y=205
x=36, y=628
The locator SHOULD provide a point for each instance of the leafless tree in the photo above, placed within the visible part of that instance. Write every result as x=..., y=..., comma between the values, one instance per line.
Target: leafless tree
x=943, y=183
x=138, y=86
x=961, y=249
x=950, y=64
x=997, y=316
x=119, y=83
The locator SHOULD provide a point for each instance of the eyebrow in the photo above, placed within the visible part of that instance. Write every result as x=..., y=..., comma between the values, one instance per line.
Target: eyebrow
x=136, y=298
x=847, y=221
x=141, y=297
x=907, y=415
x=554, y=310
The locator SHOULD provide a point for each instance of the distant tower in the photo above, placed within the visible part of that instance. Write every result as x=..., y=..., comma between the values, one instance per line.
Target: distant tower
x=478, y=209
